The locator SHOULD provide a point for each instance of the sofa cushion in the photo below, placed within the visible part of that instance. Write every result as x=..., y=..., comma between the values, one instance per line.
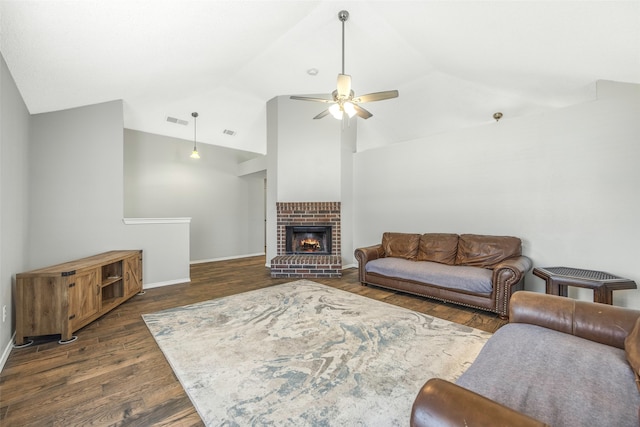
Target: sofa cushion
x=632, y=349
x=472, y=279
x=486, y=251
x=400, y=245
x=557, y=378
x=438, y=247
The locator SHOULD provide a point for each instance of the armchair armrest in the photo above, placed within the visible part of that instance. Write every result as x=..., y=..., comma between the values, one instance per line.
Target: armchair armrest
x=441, y=403
x=602, y=323
x=366, y=254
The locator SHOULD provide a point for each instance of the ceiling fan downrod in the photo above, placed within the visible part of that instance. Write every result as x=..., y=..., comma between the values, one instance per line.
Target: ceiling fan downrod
x=343, y=15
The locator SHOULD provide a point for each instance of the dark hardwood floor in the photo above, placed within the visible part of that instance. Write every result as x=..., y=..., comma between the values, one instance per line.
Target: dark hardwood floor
x=115, y=374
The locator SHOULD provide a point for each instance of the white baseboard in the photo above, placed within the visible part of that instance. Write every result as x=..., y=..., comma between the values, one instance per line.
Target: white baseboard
x=6, y=352
x=167, y=283
x=202, y=261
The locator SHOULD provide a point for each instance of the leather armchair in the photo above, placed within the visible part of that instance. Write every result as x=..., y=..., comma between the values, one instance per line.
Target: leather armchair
x=442, y=403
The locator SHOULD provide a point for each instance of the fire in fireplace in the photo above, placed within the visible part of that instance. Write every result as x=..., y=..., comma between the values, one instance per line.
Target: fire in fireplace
x=308, y=240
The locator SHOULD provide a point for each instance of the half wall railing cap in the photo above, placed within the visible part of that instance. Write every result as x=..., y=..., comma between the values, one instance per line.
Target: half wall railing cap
x=177, y=220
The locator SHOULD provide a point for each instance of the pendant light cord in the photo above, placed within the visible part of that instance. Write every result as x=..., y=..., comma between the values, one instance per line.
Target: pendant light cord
x=195, y=121
x=195, y=154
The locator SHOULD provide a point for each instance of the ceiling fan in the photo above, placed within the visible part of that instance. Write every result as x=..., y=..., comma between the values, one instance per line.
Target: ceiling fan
x=343, y=99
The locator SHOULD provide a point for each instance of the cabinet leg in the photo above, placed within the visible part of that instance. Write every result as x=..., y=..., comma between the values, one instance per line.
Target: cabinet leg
x=20, y=341
x=19, y=338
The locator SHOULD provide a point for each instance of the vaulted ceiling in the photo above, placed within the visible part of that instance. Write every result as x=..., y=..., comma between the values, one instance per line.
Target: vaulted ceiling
x=455, y=63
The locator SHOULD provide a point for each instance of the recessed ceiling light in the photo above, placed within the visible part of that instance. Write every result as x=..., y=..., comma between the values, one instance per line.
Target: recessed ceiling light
x=312, y=71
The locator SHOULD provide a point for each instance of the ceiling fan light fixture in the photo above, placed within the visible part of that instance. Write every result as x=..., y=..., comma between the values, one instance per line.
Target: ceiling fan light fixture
x=344, y=85
x=343, y=100
x=336, y=111
x=349, y=108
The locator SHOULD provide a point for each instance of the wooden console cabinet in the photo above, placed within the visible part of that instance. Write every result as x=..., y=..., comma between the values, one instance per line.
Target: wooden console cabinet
x=63, y=298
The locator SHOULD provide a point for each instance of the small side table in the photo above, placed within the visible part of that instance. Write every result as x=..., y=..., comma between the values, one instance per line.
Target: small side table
x=603, y=284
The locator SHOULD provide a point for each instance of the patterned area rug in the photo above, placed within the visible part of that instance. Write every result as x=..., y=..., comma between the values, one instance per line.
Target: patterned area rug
x=305, y=354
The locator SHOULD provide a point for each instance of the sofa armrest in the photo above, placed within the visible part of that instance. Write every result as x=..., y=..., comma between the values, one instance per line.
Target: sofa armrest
x=515, y=268
x=508, y=277
x=602, y=323
x=366, y=254
x=441, y=403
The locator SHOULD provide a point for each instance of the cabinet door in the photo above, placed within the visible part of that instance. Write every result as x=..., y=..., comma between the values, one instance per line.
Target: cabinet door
x=133, y=274
x=41, y=306
x=84, y=297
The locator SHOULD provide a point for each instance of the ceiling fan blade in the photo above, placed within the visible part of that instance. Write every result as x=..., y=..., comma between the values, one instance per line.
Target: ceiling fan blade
x=309, y=98
x=321, y=115
x=344, y=85
x=361, y=112
x=377, y=96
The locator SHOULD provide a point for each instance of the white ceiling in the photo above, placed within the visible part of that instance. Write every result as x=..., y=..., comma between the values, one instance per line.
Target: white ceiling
x=455, y=63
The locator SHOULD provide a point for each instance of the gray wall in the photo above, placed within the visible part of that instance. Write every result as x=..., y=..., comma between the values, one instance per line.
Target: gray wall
x=75, y=189
x=76, y=196
x=272, y=179
x=62, y=197
x=566, y=182
x=309, y=152
x=308, y=161
x=226, y=210
x=14, y=183
x=348, y=141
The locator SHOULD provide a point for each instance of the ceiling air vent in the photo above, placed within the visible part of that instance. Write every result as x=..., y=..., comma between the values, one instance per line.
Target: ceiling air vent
x=229, y=132
x=177, y=121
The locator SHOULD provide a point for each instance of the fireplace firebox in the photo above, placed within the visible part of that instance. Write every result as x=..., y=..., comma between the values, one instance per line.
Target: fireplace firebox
x=309, y=240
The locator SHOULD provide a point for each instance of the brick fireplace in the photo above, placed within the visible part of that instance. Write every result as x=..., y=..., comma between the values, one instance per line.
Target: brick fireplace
x=307, y=216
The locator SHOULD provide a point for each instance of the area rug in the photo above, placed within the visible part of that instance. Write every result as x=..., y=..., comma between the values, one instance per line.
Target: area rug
x=305, y=354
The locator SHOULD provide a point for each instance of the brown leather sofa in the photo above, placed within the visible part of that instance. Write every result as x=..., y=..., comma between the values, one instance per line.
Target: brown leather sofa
x=469, y=269
x=567, y=377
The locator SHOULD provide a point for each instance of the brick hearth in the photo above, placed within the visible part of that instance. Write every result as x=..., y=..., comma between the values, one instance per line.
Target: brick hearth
x=307, y=266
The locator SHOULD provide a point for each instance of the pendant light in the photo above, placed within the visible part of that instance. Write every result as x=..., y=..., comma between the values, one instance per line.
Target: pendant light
x=194, y=154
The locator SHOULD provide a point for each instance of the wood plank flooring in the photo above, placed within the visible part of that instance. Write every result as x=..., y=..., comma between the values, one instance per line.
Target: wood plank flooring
x=115, y=374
